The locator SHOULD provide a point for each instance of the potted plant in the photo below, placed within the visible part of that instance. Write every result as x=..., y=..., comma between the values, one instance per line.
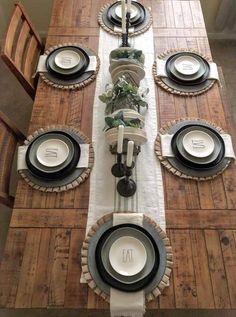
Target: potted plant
x=123, y=94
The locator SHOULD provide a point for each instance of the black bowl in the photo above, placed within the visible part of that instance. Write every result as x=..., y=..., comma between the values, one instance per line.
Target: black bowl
x=64, y=171
x=108, y=278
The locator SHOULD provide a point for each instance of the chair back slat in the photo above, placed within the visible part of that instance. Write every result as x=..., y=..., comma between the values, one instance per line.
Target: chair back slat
x=22, y=44
x=11, y=31
x=22, y=49
x=31, y=56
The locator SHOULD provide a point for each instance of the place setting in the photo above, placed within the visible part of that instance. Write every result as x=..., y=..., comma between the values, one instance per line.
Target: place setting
x=68, y=66
x=185, y=72
x=113, y=17
x=55, y=159
x=194, y=149
x=127, y=252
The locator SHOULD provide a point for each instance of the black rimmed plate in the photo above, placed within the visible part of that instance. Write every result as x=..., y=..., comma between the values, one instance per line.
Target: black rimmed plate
x=112, y=277
x=195, y=78
x=208, y=159
x=207, y=162
x=52, y=155
x=137, y=20
x=134, y=14
x=67, y=61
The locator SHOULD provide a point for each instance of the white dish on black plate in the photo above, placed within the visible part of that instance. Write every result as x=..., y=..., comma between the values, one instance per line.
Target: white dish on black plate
x=195, y=78
x=127, y=256
x=133, y=13
x=198, y=143
x=136, y=20
x=187, y=65
x=52, y=152
x=193, y=161
x=54, y=64
x=67, y=59
x=58, y=170
x=105, y=266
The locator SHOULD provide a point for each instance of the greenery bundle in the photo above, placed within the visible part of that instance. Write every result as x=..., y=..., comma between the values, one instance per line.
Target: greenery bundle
x=123, y=94
x=132, y=54
x=118, y=119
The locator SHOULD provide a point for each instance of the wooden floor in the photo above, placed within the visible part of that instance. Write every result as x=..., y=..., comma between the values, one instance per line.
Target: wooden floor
x=41, y=265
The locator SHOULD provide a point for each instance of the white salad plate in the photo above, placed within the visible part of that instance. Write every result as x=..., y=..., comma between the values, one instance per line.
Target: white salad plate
x=187, y=65
x=52, y=152
x=127, y=256
x=67, y=59
x=198, y=143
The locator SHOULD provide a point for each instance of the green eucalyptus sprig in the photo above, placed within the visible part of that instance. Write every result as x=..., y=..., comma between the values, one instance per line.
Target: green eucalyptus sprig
x=123, y=94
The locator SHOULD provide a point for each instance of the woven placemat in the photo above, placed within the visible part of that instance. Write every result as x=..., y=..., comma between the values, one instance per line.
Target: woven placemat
x=166, y=163
x=179, y=90
x=108, y=27
x=158, y=289
x=72, y=84
x=75, y=179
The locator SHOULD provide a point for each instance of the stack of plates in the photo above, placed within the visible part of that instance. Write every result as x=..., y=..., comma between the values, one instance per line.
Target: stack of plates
x=52, y=155
x=67, y=62
x=187, y=69
x=135, y=71
x=127, y=257
x=198, y=147
x=114, y=14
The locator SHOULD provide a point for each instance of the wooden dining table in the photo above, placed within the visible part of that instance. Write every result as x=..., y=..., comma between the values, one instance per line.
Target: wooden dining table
x=41, y=265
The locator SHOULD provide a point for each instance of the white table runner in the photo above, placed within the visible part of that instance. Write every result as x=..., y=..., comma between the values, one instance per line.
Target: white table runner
x=149, y=197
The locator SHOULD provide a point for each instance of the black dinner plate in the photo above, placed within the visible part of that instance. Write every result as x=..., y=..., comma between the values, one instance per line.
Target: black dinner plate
x=67, y=73
x=108, y=278
x=133, y=22
x=173, y=77
x=186, y=160
x=40, y=171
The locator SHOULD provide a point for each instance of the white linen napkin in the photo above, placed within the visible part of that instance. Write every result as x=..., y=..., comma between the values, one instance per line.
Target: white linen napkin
x=41, y=68
x=83, y=161
x=127, y=304
x=134, y=218
x=122, y=303
x=167, y=149
x=161, y=69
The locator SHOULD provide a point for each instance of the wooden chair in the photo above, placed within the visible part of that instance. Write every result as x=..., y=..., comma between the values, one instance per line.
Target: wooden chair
x=22, y=49
x=9, y=137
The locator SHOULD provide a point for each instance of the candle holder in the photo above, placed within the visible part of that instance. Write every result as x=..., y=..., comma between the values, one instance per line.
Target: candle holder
x=126, y=187
x=125, y=36
x=124, y=40
x=118, y=169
